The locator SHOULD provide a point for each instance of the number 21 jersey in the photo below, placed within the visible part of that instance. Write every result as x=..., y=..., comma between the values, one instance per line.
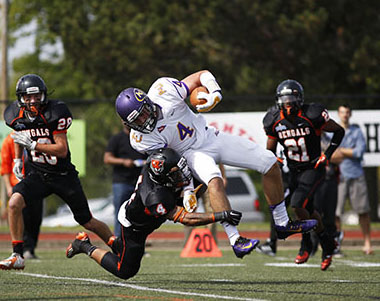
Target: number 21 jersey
x=300, y=138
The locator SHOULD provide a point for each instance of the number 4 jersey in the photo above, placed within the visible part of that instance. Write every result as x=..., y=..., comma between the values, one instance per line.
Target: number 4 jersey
x=177, y=126
x=55, y=118
x=300, y=138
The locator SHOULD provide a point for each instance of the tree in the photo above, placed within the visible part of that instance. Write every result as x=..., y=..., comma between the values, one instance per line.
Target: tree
x=250, y=46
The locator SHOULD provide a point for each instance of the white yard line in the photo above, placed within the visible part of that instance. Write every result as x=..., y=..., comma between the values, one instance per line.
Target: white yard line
x=362, y=264
x=137, y=287
x=292, y=265
x=210, y=265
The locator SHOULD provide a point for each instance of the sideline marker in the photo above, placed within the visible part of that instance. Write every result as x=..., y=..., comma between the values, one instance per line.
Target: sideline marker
x=201, y=243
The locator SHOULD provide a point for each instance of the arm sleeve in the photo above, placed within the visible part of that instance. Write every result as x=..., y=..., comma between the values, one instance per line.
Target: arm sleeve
x=169, y=91
x=318, y=114
x=61, y=118
x=334, y=143
x=6, y=157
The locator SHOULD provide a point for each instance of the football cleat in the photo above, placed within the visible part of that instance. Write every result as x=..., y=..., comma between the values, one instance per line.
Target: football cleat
x=326, y=261
x=294, y=227
x=13, y=262
x=302, y=257
x=268, y=248
x=244, y=246
x=75, y=247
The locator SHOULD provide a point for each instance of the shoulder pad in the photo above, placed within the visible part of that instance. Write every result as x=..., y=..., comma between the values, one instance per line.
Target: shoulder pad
x=160, y=201
x=11, y=112
x=313, y=110
x=56, y=109
x=270, y=117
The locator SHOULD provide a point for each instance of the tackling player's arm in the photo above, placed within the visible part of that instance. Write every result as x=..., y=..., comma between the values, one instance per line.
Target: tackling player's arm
x=178, y=214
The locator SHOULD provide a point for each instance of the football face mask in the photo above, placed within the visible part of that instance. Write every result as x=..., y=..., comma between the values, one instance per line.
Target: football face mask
x=180, y=175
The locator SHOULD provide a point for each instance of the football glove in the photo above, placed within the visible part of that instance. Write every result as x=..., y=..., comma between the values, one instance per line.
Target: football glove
x=232, y=217
x=322, y=161
x=17, y=169
x=212, y=99
x=24, y=140
x=189, y=200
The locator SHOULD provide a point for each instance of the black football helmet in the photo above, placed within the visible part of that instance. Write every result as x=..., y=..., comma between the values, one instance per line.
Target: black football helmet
x=168, y=168
x=31, y=84
x=289, y=96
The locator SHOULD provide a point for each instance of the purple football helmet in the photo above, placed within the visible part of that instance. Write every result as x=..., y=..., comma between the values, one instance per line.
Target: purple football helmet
x=136, y=110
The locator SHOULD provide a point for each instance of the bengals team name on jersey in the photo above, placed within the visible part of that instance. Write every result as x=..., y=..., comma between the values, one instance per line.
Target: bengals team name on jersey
x=294, y=133
x=38, y=132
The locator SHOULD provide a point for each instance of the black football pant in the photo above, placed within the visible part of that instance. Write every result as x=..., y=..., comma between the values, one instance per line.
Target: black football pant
x=127, y=263
x=32, y=216
x=325, y=200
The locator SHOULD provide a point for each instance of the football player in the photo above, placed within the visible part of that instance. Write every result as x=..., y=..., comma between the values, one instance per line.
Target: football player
x=154, y=201
x=162, y=118
x=297, y=127
x=40, y=126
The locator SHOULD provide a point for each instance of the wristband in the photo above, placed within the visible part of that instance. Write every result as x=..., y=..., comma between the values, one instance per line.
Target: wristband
x=182, y=217
x=178, y=214
x=218, y=216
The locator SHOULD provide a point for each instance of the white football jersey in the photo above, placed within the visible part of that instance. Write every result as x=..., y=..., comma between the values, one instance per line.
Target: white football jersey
x=180, y=128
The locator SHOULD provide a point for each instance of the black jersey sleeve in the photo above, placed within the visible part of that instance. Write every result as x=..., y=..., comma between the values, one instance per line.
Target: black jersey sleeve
x=160, y=202
x=269, y=121
x=317, y=114
x=58, y=115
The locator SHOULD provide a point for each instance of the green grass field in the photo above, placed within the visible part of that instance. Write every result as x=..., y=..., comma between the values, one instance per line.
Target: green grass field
x=166, y=276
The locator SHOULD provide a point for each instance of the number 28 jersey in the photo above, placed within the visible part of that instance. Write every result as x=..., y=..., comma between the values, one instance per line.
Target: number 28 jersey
x=301, y=138
x=55, y=118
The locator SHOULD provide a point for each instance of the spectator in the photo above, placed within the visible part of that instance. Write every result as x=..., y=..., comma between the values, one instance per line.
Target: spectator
x=32, y=214
x=127, y=164
x=352, y=183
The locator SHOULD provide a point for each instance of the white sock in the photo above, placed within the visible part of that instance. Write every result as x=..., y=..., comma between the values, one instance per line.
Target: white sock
x=231, y=231
x=280, y=215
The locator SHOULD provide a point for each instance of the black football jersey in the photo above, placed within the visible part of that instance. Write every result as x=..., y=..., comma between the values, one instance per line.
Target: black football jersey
x=301, y=138
x=150, y=203
x=55, y=118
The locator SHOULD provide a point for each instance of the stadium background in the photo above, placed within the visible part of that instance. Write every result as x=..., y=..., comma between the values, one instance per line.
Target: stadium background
x=249, y=45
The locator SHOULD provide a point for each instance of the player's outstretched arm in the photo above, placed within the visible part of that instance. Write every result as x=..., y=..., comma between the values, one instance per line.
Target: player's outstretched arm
x=178, y=214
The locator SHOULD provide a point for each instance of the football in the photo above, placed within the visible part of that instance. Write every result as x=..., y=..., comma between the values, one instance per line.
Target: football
x=193, y=96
